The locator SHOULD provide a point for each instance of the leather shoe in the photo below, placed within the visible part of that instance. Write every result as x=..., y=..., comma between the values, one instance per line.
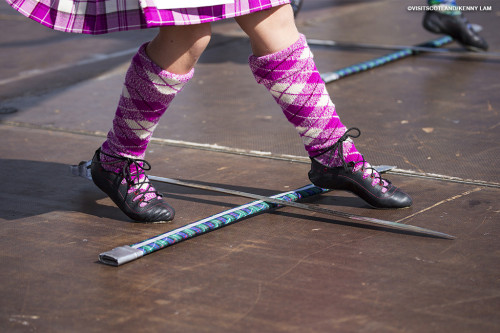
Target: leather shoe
x=455, y=26
x=131, y=192
x=362, y=181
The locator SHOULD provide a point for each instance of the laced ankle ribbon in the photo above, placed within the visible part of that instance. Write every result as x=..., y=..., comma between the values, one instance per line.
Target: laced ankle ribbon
x=339, y=147
x=141, y=187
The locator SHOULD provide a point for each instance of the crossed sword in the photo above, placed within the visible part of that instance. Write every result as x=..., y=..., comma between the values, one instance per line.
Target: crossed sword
x=83, y=170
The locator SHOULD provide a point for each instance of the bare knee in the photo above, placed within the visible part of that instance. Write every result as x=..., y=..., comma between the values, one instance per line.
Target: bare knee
x=193, y=37
x=271, y=30
x=178, y=48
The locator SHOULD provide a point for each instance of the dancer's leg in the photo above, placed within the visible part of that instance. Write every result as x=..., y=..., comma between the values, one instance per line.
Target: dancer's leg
x=283, y=62
x=157, y=73
x=176, y=49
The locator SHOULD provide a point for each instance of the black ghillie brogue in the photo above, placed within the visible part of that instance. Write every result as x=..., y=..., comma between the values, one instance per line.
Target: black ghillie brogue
x=455, y=26
x=130, y=190
x=359, y=178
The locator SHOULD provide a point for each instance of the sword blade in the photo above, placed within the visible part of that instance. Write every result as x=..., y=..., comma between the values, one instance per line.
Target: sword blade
x=316, y=209
x=82, y=169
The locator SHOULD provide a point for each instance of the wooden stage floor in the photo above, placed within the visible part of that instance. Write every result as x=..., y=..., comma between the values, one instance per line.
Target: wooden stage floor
x=434, y=116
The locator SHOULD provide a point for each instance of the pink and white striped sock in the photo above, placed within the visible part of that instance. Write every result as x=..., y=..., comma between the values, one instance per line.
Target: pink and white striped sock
x=147, y=92
x=295, y=83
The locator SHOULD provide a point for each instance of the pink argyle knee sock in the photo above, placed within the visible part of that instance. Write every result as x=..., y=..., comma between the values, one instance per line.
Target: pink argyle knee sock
x=295, y=83
x=147, y=93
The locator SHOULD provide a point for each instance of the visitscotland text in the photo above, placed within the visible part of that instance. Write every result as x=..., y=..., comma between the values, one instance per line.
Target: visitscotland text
x=450, y=8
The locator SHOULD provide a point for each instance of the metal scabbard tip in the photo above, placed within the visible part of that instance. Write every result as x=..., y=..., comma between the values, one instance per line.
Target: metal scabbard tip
x=120, y=255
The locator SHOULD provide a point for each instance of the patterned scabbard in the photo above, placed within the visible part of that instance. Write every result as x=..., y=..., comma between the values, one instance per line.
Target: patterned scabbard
x=127, y=253
x=366, y=65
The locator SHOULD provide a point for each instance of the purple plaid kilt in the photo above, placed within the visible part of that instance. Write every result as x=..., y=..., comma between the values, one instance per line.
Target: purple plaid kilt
x=104, y=16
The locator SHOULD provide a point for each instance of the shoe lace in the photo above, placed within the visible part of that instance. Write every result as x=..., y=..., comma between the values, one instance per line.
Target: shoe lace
x=134, y=174
x=339, y=146
x=369, y=171
x=363, y=165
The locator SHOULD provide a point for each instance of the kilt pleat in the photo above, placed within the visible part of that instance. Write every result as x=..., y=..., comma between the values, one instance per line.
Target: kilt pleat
x=104, y=16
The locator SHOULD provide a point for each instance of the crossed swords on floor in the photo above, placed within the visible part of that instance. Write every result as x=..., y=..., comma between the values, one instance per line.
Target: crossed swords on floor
x=83, y=170
x=123, y=254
